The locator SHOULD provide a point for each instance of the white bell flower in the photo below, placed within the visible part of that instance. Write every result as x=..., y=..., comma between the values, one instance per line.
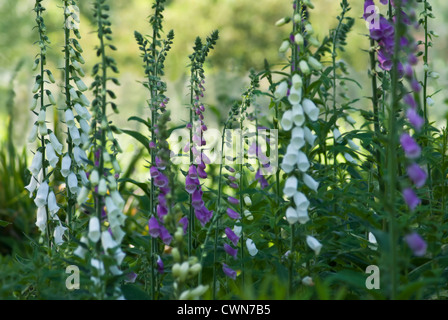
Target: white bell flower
x=310, y=182
x=53, y=207
x=94, y=229
x=66, y=166
x=295, y=96
x=33, y=134
x=51, y=155
x=69, y=118
x=57, y=146
x=310, y=109
x=292, y=215
x=297, y=115
x=74, y=134
x=314, y=244
x=42, y=195
x=302, y=162
x=36, y=164
x=41, y=221
x=298, y=138
x=251, y=247
x=290, y=186
x=31, y=187
x=281, y=91
x=72, y=181
x=287, y=121
x=301, y=201
x=58, y=233
x=310, y=138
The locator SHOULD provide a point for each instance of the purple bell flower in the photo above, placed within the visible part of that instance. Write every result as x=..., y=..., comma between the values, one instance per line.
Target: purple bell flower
x=416, y=244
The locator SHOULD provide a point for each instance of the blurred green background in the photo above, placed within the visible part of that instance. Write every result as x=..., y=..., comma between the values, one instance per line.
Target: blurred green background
x=248, y=35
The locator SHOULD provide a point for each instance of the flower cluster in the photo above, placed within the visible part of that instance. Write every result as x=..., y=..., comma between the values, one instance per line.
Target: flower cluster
x=198, y=159
x=50, y=147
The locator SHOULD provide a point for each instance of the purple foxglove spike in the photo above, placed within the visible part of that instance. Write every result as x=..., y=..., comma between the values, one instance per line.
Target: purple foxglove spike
x=230, y=251
x=154, y=172
x=232, y=236
x=415, y=119
x=161, y=211
x=233, y=200
x=160, y=266
x=233, y=214
x=192, y=172
x=165, y=235
x=164, y=191
x=162, y=199
x=184, y=223
x=228, y=271
x=411, y=198
x=417, y=175
x=416, y=244
x=131, y=277
x=411, y=148
x=196, y=200
x=153, y=227
x=152, y=145
x=190, y=185
x=203, y=215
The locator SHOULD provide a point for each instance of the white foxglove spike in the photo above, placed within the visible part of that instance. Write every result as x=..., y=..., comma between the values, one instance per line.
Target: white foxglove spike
x=251, y=247
x=94, y=229
x=302, y=162
x=41, y=221
x=33, y=134
x=281, y=91
x=53, y=207
x=295, y=96
x=301, y=201
x=36, y=164
x=69, y=118
x=310, y=109
x=42, y=195
x=72, y=181
x=57, y=146
x=31, y=187
x=298, y=117
x=287, y=120
x=66, y=165
x=297, y=138
x=43, y=130
x=74, y=134
x=58, y=233
x=309, y=136
x=290, y=186
x=291, y=215
x=314, y=244
x=51, y=156
x=310, y=182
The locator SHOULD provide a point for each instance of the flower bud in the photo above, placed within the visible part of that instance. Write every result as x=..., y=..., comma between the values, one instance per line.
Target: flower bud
x=42, y=195
x=298, y=39
x=314, y=63
x=43, y=130
x=66, y=166
x=284, y=47
x=310, y=182
x=94, y=229
x=51, y=156
x=247, y=201
x=83, y=195
x=282, y=21
x=314, y=244
x=33, y=134
x=102, y=187
x=72, y=181
x=33, y=104
x=251, y=247
x=304, y=67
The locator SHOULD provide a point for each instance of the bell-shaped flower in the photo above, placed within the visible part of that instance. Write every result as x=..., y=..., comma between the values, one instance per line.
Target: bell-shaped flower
x=230, y=250
x=308, y=281
x=233, y=214
x=58, y=234
x=281, y=91
x=94, y=229
x=302, y=162
x=112, y=208
x=250, y=245
x=74, y=134
x=313, y=63
x=290, y=186
x=42, y=195
x=229, y=271
x=232, y=236
x=33, y=134
x=303, y=216
x=72, y=181
x=66, y=166
x=85, y=127
x=69, y=118
x=102, y=187
x=81, y=250
x=295, y=96
x=304, y=67
x=192, y=172
x=83, y=195
x=247, y=201
x=411, y=198
x=291, y=156
x=153, y=227
x=298, y=117
x=43, y=130
x=310, y=182
x=36, y=164
x=353, y=145
x=314, y=244
x=301, y=201
x=118, y=200
x=411, y=148
x=83, y=175
x=417, y=175
x=237, y=230
x=297, y=138
x=53, y=207
x=191, y=184
x=233, y=200
x=297, y=81
x=349, y=158
x=291, y=215
x=57, y=146
x=52, y=158
x=287, y=120
x=310, y=138
x=310, y=109
x=284, y=47
x=31, y=187
x=416, y=244
x=80, y=156
x=248, y=215
x=41, y=221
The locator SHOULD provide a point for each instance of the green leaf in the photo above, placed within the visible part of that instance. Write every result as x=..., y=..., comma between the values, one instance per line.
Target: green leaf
x=139, y=137
x=4, y=223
